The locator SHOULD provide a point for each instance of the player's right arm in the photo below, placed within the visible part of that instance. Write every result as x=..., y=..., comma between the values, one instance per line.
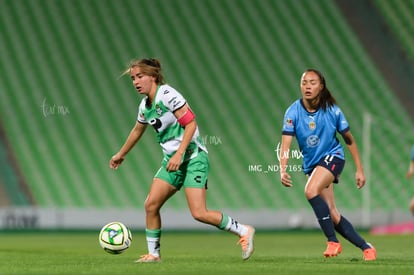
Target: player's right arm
x=132, y=139
x=410, y=171
x=288, y=132
x=284, y=159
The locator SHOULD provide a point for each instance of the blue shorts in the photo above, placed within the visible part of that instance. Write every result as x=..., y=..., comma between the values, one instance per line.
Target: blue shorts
x=333, y=164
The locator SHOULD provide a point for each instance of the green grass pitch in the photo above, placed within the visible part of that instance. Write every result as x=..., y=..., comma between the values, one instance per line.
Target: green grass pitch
x=294, y=252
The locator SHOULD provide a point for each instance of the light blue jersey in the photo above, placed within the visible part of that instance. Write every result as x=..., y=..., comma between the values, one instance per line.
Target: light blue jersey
x=315, y=132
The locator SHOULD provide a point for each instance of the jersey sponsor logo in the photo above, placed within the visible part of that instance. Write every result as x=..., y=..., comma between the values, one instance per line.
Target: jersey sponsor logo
x=172, y=100
x=175, y=102
x=161, y=123
x=156, y=123
x=313, y=141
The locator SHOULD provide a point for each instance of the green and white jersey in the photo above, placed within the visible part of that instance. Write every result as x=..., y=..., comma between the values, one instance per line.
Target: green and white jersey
x=160, y=115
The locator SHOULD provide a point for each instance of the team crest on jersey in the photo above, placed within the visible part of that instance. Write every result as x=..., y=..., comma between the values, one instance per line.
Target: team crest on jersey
x=312, y=125
x=158, y=109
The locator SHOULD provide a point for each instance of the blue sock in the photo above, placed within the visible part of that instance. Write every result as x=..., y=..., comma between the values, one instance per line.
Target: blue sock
x=345, y=228
x=321, y=210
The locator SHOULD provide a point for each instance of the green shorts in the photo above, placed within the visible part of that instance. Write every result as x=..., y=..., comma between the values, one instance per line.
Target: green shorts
x=192, y=173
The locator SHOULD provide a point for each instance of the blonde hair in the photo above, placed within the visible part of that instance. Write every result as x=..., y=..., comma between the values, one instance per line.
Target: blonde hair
x=148, y=66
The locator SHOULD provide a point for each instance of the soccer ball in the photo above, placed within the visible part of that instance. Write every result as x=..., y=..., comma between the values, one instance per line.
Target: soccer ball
x=115, y=237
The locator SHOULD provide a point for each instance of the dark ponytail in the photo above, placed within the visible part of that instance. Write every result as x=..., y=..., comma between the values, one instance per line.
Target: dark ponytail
x=326, y=100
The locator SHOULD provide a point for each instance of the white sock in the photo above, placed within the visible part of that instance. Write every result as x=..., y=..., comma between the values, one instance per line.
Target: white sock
x=235, y=227
x=153, y=246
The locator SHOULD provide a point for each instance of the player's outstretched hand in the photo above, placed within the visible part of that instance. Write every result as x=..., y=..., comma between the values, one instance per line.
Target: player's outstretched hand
x=115, y=161
x=285, y=179
x=360, y=179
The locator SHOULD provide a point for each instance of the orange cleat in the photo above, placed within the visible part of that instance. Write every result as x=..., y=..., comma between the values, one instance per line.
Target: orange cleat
x=246, y=242
x=148, y=258
x=332, y=250
x=370, y=254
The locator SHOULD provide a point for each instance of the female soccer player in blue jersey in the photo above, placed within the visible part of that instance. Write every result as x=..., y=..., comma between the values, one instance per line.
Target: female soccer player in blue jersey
x=314, y=120
x=185, y=163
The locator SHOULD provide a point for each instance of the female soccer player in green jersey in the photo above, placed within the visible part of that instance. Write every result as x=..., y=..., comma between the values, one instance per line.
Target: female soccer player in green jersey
x=185, y=163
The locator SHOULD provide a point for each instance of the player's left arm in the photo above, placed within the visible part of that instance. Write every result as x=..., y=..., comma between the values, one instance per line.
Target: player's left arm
x=353, y=149
x=410, y=171
x=186, y=118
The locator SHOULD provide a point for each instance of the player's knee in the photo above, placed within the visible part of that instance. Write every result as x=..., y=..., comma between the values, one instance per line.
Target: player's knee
x=199, y=216
x=151, y=206
x=310, y=193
